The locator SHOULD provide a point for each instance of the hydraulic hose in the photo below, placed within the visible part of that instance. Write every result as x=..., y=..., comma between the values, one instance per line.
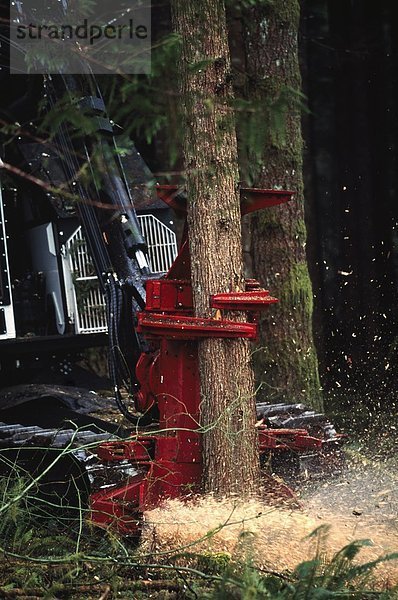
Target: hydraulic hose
x=118, y=366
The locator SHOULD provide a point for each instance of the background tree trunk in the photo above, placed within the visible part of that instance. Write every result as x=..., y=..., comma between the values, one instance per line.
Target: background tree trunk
x=286, y=365
x=230, y=451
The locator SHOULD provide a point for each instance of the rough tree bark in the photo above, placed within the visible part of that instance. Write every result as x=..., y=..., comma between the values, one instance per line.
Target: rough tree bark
x=287, y=363
x=230, y=451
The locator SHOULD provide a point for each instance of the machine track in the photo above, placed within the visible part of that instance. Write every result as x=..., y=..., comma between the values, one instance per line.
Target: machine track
x=50, y=455
x=293, y=466
x=48, y=439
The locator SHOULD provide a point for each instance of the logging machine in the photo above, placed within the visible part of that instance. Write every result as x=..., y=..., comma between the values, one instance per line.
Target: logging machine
x=79, y=269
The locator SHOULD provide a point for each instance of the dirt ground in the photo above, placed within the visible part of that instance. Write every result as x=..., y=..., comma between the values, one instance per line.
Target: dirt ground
x=365, y=495
x=361, y=504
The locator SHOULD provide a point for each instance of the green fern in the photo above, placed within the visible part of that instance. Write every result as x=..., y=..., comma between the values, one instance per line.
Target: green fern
x=340, y=577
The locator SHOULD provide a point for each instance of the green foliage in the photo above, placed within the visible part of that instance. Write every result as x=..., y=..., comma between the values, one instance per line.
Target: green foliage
x=66, y=111
x=213, y=562
x=340, y=577
x=53, y=60
x=15, y=531
x=145, y=106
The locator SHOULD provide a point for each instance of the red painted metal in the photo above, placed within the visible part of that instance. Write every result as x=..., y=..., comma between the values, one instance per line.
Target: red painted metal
x=243, y=301
x=175, y=296
x=168, y=463
x=251, y=199
x=169, y=295
x=170, y=196
x=286, y=439
x=120, y=508
x=139, y=450
x=181, y=327
x=174, y=468
x=146, y=373
x=181, y=267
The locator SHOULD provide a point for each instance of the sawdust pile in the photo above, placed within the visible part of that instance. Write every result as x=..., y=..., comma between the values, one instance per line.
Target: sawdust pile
x=215, y=525
x=280, y=539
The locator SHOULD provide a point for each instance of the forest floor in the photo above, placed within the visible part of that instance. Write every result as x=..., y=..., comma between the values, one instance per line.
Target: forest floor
x=359, y=504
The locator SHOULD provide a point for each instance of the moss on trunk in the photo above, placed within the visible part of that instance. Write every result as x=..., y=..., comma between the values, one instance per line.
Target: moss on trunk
x=286, y=363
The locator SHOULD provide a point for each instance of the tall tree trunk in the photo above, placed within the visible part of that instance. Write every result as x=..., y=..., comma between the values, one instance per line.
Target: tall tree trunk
x=230, y=450
x=287, y=363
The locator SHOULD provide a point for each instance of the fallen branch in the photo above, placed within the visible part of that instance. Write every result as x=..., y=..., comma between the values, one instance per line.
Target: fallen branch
x=144, y=584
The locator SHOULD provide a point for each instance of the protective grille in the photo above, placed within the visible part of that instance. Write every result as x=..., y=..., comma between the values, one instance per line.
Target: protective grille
x=162, y=244
x=86, y=303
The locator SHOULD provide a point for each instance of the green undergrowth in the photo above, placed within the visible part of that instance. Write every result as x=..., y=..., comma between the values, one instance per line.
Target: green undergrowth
x=212, y=578
x=45, y=559
x=339, y=577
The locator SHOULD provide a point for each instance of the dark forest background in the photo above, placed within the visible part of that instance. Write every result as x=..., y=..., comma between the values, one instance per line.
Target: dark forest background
x=349, y=65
